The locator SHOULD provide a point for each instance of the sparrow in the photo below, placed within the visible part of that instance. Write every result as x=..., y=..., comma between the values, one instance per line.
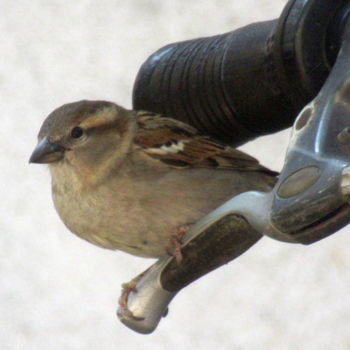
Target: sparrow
x=133, y=180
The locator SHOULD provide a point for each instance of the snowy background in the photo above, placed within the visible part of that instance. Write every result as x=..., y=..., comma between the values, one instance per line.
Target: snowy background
x=59, y=292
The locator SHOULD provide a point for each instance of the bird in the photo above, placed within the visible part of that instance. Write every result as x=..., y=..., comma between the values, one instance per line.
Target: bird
x=136, y=181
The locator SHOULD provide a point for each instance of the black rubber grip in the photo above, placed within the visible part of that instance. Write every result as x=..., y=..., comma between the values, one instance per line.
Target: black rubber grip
x=246, y=83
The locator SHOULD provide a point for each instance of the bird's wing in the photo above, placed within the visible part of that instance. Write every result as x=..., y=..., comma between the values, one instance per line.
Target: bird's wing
x=179, y=145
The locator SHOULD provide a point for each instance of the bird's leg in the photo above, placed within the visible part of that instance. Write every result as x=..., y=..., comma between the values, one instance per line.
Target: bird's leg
x=127, y=288
x=174, y=246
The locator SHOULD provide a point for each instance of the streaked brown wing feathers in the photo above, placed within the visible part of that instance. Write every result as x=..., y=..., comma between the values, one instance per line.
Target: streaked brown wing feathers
x=180, y=145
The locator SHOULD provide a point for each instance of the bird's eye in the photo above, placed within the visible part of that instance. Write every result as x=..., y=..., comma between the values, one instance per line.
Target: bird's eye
x=76, y=132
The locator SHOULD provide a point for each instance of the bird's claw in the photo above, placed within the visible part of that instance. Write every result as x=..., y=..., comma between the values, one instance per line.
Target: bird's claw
x=175, y=243
x=127, y=288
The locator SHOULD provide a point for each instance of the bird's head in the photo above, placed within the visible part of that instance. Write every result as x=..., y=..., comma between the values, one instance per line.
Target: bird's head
x=84, y=135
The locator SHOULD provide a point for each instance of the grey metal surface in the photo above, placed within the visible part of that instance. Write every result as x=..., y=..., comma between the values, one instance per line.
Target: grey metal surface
x=149, y=302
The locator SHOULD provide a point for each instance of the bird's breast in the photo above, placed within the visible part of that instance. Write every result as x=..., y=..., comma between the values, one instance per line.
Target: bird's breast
x=114, y=217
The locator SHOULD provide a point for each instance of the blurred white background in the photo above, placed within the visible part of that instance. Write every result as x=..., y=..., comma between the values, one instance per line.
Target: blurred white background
x=59, y=292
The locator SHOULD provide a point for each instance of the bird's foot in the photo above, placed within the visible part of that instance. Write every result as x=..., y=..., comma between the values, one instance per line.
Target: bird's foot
x=175, y=243
x=127, y=288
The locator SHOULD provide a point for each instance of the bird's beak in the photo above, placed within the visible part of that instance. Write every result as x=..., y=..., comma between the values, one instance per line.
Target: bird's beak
x=46, y=152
